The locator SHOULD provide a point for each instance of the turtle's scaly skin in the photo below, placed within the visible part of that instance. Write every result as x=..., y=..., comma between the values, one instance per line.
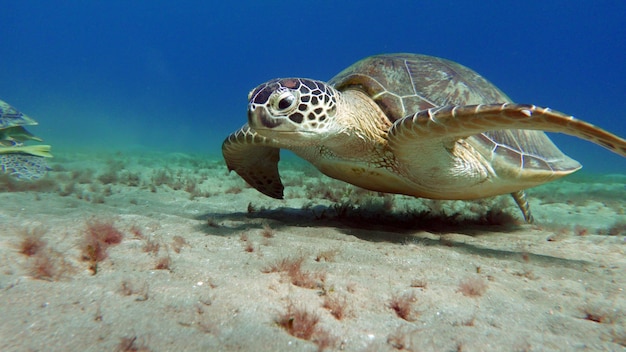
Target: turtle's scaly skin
x=23, y=166
x=407, y=124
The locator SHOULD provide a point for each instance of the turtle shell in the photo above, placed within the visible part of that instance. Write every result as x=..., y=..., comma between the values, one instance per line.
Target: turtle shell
x=404, y=84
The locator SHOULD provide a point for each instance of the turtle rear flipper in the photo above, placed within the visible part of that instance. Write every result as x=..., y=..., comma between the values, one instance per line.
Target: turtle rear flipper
x=255, y=159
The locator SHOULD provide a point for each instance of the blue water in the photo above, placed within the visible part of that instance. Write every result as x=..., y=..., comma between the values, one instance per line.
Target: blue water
x=174, y=76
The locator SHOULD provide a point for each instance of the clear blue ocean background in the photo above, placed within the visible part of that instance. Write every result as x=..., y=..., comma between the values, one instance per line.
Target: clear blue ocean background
x=173, y=76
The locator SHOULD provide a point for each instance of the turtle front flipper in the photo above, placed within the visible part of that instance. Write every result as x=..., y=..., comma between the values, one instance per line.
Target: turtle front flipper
x=463, y=121
x=476, y=151
x=255, y=158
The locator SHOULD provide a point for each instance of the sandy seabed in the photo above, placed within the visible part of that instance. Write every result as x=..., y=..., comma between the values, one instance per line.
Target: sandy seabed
x=168, y=252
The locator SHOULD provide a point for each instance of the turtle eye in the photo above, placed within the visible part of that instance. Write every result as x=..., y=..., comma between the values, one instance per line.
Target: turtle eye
x=284, y=102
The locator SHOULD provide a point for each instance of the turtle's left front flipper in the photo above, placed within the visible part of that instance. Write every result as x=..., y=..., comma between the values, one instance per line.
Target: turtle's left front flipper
x=463, y=121
x=500, y=130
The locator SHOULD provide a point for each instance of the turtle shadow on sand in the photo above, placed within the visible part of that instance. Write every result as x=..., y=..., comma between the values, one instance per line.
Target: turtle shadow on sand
x=351, y=220
x=371, y=225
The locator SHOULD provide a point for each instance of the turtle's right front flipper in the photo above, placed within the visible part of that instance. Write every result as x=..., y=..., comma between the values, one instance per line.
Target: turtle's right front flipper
x=255, y=159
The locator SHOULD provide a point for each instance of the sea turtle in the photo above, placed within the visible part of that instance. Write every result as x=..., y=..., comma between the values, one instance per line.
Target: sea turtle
x=17, y=159
x=407, y=124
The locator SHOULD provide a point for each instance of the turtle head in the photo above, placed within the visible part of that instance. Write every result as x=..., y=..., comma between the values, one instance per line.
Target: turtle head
x=295, y=111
